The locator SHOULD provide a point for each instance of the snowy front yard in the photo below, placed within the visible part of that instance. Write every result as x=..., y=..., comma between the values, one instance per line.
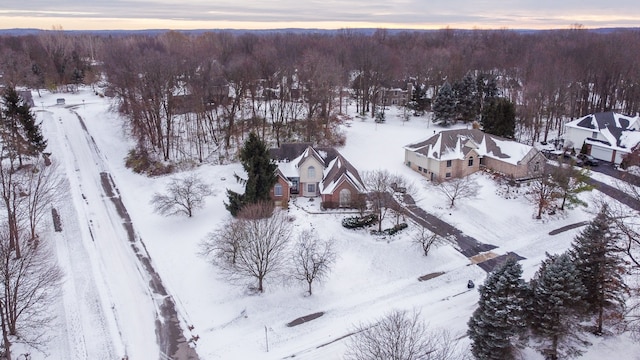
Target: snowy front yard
x=371, y=276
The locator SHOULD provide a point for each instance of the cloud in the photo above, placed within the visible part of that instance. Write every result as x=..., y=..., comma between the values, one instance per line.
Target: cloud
x=349, y=13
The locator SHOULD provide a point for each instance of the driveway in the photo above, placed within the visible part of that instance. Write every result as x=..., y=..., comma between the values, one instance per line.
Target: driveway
x=465, y=244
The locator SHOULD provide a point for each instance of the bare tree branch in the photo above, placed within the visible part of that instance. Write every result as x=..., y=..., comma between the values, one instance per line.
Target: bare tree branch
x=312, y=258
x=183, y=196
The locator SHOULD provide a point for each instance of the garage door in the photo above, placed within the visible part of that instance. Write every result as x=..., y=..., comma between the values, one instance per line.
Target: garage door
x=601, y=153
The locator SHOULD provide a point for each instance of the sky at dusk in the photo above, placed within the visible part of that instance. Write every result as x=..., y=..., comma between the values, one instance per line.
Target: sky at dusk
x=325, y=14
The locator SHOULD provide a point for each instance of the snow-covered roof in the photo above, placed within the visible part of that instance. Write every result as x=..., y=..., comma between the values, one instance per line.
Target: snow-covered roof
x=609, y=124
x=456, y=144
x=338, y=171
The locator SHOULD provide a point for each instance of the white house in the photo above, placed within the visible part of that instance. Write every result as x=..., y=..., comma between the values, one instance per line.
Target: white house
x=607, y=135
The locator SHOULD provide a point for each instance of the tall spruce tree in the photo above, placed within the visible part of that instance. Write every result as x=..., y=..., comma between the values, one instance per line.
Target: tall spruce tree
x=261, y=175
x=499, y=117
x=444, y=105
x=467, y=101
x=558, y=308
x=498, y=325
x=600, y=268
x=419, y=101
x=20, y=132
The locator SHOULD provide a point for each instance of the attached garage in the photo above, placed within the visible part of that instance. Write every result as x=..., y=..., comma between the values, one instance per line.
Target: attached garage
x=601, y=153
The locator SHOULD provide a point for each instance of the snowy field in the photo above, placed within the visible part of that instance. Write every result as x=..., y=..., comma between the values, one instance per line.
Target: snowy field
x=108, y=312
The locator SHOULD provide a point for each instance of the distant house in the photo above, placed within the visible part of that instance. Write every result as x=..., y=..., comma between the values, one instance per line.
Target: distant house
x=458, y=153
x=394, y=96
x=607, y=135
x=27, y=97
x=312, y=172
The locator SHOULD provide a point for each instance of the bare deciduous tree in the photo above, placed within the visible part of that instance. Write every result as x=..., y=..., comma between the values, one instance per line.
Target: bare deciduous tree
x=251, y=246
x=379, y=184
x=542, y=193
x=456, y=189
x=40, y=185
x=401, y=336
x=29, y=285
x=426, y=240
x=183, y=196
x=312, y=258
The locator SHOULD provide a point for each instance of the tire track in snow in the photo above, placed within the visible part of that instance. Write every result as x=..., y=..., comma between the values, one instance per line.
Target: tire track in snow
x=169, y=333
x=84, y=330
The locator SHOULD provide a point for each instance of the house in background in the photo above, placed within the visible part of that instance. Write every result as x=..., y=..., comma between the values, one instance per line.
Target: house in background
x=608, y=136
x=314, y=172
x=458, y=153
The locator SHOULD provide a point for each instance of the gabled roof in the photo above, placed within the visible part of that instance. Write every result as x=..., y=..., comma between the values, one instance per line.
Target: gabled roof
x=293, y=152
x=336, y=169
x=611, y=125
x=456, y=144
x=339, y=170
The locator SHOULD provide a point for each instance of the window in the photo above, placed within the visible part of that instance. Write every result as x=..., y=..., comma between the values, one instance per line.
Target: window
x=311, y=172
x=594, y=134
x=448, y=163
x=425, y=171
x=311, y=188
x=481, y=161
x=277, y=190
x=419, y=168
x=536, y=166
x=471, y=161
x=345, y=197
x=448, y=175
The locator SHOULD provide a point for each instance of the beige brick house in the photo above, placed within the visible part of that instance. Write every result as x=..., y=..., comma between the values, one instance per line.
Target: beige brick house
x=318, y=172
x=458, y=153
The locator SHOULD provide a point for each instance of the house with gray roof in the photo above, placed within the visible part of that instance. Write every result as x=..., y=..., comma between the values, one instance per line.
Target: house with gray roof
x=608, y=136
x=458, y=153
x=319, y=172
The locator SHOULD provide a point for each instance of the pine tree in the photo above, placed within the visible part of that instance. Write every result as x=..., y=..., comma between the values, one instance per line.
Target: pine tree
x=19, y=129
x=419, y=101
x=557, y=308
x=499, y=117
x=497, y=326
x=261, y=175
x=444, y=105
x=467, y=103
x=600, y=268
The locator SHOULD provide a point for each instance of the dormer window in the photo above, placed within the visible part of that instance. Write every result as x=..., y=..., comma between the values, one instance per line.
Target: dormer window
x=471, y=161
x=311, y=172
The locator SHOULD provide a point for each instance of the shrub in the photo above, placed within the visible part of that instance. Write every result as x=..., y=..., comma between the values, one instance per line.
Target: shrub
x=357, y=222
x=141, y=162
x=390, y=231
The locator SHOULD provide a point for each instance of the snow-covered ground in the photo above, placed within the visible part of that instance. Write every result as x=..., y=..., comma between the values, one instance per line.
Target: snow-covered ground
x=107, y=311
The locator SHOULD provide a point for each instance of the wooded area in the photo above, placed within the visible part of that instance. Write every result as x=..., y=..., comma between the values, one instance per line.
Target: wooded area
x=195, y=97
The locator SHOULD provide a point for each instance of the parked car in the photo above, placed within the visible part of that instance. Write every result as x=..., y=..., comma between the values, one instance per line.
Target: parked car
x=588, y=160
x=570, y=159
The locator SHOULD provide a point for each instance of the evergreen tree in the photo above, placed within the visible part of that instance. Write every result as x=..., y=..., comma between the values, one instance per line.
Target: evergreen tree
x=600, y=268
x=20, y=132
x=467, y=102
x=261, y=175
x=419, y=101
x=557, y=308
x=444, y=105
x=487, y=89
x=499, y=117
x=497, y=326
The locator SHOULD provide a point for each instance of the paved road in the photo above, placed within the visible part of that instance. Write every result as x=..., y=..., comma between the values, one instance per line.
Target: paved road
x=169, y=333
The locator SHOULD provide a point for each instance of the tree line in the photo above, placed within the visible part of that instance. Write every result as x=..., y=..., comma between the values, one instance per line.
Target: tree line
x=194, y=97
